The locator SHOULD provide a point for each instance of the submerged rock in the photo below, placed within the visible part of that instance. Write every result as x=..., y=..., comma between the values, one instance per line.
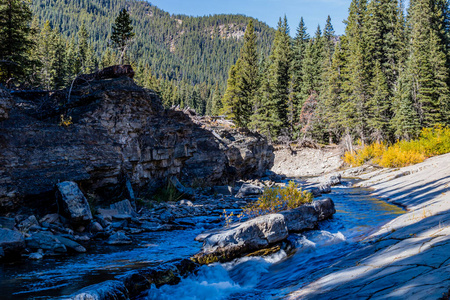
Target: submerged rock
x=74, y=203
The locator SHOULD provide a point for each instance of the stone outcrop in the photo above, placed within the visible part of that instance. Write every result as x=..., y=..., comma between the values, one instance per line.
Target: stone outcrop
x=115, y=140
x=261, y=233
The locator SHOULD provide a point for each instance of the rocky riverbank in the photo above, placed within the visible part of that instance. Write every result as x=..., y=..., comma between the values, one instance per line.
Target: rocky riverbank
x=116, y=141
x=409, y=257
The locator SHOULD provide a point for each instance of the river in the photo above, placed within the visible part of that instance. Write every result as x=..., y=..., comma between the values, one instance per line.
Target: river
x=358, y=214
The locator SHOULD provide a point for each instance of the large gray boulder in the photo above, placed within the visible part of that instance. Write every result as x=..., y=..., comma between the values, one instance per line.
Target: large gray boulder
x=325, y=208
x=261, y=233
x=302, y=218
x=108, y=290
x=45, y=241
x=74, y=203
x=12, y=242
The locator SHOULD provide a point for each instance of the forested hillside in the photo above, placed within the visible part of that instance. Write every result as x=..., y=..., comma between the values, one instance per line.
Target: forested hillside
x=386, y=78
x=195, y=50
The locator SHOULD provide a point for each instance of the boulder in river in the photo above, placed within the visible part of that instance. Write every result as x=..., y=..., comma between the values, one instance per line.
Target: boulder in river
x=11, y=242
x=74, y=204
x=108, y=290
x=260, y=233
x=325, y=208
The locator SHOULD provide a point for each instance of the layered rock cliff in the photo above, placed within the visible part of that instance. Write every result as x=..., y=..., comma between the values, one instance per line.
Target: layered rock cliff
x=108, y=133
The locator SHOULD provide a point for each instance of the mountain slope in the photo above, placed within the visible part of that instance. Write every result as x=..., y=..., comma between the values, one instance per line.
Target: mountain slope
x=196, y=49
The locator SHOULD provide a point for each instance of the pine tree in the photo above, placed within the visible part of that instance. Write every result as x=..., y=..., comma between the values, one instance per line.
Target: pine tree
x=378, y=105
x=430, y=91
x=313, y=67
x=248, y=77
x=232, y=92
x=279, y=76
x=353, y=112
x=15, y=39
x=122, y=33
x=331, y=97
x=298, y=55
x=216, y=101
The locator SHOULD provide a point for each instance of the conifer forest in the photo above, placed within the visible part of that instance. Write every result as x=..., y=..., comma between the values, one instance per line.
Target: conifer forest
x=385, y=79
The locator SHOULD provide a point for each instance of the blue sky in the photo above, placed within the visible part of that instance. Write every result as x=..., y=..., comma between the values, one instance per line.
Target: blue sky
x=314, y=12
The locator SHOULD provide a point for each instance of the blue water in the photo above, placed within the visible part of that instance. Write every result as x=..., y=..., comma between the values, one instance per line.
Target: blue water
x=357, y=215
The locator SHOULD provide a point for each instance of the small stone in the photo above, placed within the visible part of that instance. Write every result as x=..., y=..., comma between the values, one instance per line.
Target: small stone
x=119, y=238
x=36, y=256
x=123, y=207
x=186, y=202
x=107, y=214
x=96, y=227
x=46, y=241
x=50, y=219
x=25, y=225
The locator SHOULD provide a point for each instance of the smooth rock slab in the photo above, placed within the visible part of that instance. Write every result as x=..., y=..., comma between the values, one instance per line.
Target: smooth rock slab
x=74, y=203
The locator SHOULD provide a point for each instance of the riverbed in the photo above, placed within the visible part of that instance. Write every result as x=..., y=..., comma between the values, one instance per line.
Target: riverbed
x=358, y=214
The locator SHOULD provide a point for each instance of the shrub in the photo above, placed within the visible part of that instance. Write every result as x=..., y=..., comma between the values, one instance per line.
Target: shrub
x=277, y=199
x=168, y=193
x=431, y=142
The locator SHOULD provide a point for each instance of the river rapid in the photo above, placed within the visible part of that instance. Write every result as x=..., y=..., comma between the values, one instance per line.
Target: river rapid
x=273, y=277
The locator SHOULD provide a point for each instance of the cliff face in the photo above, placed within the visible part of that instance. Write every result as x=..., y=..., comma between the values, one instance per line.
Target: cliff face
x=119, y=133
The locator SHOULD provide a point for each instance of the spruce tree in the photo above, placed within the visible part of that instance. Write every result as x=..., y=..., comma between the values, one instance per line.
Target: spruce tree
x=15, y=39
x=298, y=56
x=428, y=61
x=378, y=105
x=279, y=76
x=356, y=83
x=122, y=33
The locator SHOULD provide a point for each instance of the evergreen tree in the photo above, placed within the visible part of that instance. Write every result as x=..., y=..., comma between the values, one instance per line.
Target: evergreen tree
x=216, y=101
x=279, y=72
x=232, y=92
x=331, y=98
x=15, y=39
x=378, y=105
x=356, y=83
x=430, y=91
x=122, y=33
x=298, y=56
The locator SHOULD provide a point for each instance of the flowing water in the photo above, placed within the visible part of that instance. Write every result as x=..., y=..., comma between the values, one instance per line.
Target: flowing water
x=358, y=214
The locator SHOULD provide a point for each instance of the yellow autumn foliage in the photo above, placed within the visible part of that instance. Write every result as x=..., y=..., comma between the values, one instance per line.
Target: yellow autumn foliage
x=431, y=142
